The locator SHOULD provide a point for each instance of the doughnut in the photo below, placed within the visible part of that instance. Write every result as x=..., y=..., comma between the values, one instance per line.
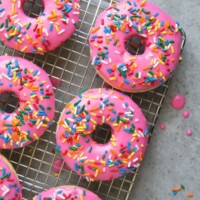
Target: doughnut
x=129, y=135
x=67, y=192
x=37, y=35
x=36, y=108
x=10, y=188
x=159, y=34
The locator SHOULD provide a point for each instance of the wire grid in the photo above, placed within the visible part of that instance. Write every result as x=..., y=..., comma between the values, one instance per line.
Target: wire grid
x=70, y=64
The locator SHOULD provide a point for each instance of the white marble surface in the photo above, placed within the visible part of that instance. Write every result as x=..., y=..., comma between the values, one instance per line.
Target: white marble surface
x=173, y=157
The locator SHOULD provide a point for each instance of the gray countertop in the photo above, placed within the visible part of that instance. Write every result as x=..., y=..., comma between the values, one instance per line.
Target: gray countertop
x=172, y=157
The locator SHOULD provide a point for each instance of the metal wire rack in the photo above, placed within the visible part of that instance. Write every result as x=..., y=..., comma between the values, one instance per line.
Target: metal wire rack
x=70, y=64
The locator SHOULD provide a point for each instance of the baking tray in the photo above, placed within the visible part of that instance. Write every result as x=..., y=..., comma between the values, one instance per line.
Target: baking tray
x=70, y=65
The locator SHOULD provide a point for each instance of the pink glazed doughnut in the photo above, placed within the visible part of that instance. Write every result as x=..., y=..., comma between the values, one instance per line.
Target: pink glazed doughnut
x=37, y=35
x=36, y=102
x=67, y=192
x=10, y=188
x=95, y=161
x=159, y=33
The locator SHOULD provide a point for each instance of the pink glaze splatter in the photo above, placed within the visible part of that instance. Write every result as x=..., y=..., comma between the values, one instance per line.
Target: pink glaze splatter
x=58, y=165
x=56, y=82
x=162, y=126
x=185, y=114
x=178, y=102
x=189, y=132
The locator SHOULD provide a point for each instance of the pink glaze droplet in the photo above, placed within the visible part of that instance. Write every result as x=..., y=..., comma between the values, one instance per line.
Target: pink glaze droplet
x=178, y=102
x=56, y=82
x=185, y=114
x=58, y=165
x=162, y=126
x=189, y=132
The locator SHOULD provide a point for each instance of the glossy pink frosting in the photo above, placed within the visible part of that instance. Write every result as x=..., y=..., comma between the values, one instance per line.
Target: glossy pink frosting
x=67, y=193
x=158, y=31
x=37, y=35
x=10, y=188
x=36, y=102
x=120, y=155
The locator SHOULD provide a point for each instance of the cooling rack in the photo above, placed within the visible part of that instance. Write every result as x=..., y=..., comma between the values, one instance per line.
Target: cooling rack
x=70, y=69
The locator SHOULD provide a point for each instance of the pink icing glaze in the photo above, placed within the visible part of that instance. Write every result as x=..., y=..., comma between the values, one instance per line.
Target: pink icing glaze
x=117, y=66
x=163, y=126
x=56, y=82
x=124, y=151
x=67, y=193
x=186, y=114
x=58, y=165
x=189, y=132
x=10, y=188
x=178, y=102
x=36, y=102
x=38, y=35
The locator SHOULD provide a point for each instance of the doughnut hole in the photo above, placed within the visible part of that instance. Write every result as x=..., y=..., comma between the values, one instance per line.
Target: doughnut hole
x=9, y=102
x=102, y=133
x=33, y=8
x=135, y=45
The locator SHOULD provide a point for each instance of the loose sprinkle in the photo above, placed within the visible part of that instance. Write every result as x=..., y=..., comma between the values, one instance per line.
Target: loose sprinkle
x=180, y=188
x=190, y=195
